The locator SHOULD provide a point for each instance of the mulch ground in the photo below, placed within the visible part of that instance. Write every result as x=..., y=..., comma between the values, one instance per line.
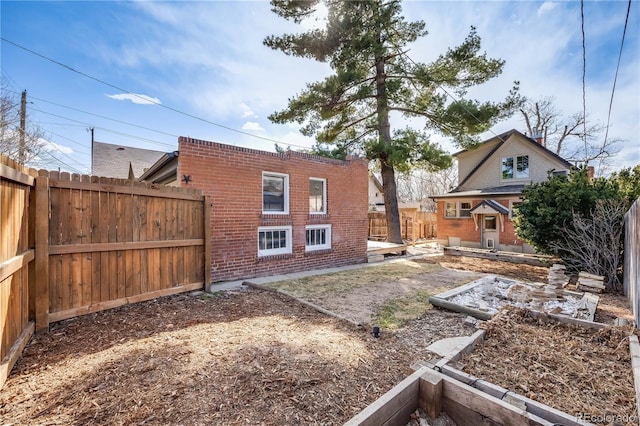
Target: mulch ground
x=576, y=370
x=249, y=357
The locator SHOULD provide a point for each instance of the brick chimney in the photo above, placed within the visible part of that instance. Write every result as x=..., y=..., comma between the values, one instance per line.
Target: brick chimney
x=591, y=171
x=537, y=135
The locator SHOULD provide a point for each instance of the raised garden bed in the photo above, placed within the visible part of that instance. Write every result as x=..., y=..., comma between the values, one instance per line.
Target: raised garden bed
x=484, y=297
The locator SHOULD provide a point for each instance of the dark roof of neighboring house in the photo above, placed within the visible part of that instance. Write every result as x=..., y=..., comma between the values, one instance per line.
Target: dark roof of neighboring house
x=502, y=138
x=497, y=191
x=163, y=171
x=114, y=161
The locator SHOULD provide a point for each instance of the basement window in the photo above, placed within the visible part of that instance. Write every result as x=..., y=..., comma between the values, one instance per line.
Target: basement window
x=274, y=240
x=318, y=237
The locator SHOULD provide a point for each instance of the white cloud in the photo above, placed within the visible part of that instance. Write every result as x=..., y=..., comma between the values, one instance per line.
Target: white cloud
x=136, y=98
x=52, y=146
x=246, y=111
x=252, y=126
x=546, y=7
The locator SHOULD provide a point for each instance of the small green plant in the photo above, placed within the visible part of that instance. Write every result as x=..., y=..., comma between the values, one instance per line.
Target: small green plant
x=397, y=312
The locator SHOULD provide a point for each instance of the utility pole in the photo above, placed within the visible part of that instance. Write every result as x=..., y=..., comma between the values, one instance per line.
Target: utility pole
x=91, y=129
x=23, y=127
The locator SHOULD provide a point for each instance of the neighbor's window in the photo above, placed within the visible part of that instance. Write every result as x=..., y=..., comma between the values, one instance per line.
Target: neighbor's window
x=317, y=196
x=274, y=240
x=522, y=166
x=450, y=209
x=465, y=209
x=515, y=167
x=513, y=206
x=275, y=193
x=318, y=237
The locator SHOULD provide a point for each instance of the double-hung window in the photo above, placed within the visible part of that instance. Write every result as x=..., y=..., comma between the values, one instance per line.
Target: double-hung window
x=317, y=196
x=318, y=237
x=515, y=167
x=453, y=209
x=273, y=240
x=275, y=193
x=450, y=209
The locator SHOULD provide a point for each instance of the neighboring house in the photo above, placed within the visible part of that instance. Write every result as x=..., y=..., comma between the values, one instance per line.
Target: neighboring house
x=273, y=213
x=376, y=194
x=119, y=161
x=478, y=212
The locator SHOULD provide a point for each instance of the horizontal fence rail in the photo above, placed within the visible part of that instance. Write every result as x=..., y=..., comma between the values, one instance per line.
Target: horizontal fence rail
x=75, y=244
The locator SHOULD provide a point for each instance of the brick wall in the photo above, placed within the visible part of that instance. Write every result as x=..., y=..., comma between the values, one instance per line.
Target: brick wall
x=232, y=177
x=465, y=229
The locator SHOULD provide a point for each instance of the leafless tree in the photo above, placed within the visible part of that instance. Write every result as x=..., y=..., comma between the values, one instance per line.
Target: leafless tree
x=594, y=245
x=567, y=136
x=419, y=185
x=11, y=131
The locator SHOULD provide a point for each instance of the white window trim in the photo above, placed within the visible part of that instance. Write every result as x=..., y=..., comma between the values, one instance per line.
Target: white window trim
x=286, y=192
x=511, y=203
x=325, y=246
x=324, y=195
x=515, y=168
x=457, y=203
x=272, y=252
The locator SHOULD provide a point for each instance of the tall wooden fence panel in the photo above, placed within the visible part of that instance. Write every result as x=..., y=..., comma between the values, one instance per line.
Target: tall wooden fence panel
x=414, y=225
x=631, y=267
x=16, y=263
x=112, y=242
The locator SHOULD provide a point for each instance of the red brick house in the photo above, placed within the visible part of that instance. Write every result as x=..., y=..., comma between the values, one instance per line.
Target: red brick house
x=491, y=177
x=273, y=213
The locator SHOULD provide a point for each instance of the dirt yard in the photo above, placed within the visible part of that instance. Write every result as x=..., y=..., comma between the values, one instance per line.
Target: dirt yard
x=246, y=357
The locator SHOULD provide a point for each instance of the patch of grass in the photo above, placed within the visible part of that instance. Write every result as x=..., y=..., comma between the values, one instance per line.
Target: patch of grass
x=397, y=312
x=340, y=282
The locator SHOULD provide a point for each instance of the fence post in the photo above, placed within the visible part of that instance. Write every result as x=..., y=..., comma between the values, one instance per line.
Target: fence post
x=206, y=212
x=42, y=251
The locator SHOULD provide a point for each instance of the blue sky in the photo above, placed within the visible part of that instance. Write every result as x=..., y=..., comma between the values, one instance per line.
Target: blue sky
x=205, y=63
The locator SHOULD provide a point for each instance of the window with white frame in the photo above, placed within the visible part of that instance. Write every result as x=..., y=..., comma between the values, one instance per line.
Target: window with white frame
x=513, y=206
x=515, y=167
x=274, y=240
x=453, y=209
x=450, y=209
x=275, y=193
x=465, y=209
x=318, y=237
x=317, y=196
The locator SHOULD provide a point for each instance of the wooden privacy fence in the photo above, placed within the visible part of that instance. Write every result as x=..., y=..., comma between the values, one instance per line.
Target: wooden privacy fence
x=112, y=243
x=17, y=275
x=414, y=225
x=631, y=268
x=72, y=245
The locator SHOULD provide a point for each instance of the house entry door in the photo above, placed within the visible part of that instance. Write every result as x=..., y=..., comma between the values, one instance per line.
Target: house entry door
x=490, y=231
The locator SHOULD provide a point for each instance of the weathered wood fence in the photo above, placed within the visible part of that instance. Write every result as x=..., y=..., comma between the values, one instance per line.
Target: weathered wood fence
x=17, y=266
x=72, y=245
x=631, y=268
x=414, y=225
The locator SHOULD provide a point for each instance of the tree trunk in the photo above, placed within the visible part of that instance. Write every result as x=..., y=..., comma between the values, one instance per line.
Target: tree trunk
x=394, y=233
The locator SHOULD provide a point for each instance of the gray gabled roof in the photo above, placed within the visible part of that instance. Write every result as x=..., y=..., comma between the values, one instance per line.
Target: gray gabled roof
x=499, y=208
x=495, y=191
x=109, y=160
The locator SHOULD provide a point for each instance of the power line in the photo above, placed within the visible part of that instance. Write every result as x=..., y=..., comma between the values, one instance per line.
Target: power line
x=85, y=124
x=145, y=98
x=615, y=79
